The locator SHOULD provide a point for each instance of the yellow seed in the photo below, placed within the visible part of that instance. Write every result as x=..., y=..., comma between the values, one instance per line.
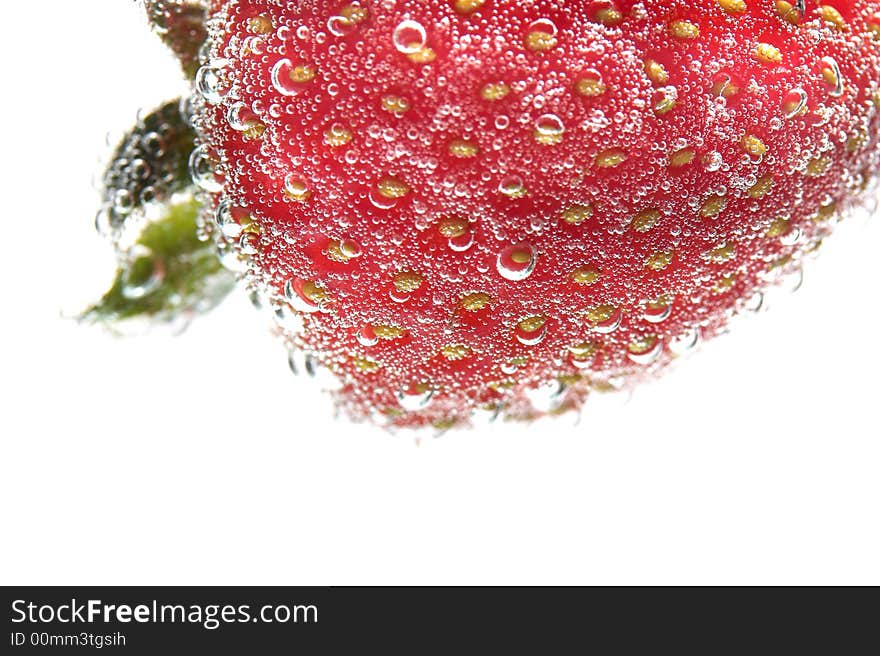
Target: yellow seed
x=354, y=13
x=724, y=88
x=467, y=6
x=303, y=73
x=393, y=188
x=857, y=141
x=337, y=136
x=610, y=158
x=825, y=212
x=532, y=324
x=589, y=87
x=713, y=206
x=249, y=224
x=645, y=220
x=567, y=380
x=656, y=72
x=778, y=227
x=395, y=104
x=659, y=260
x=609, y=16
x=547, y=138
x=762, y=187
x=455, y=352
x=753, y=146
x=583, y=349
x=475, y=301
x=682, y=157
x=832, y=17
x=577, y=214
x=315, y=292
x=297, y=190
x=260, y=25
x=365, y=365
x=682, y=29
x=388, y=332
x=642, y=344
x=726, y=282
x=664, y=105
x=408, y=281
x=733, y=7
x=788, y=12
x=830, y=76
x=339, y=251
x=521, y=255
x=255, y=130
x=767, y=54
x=585, y=275
x=463, y=148
x=721, y=253
x=494, y=91
x=539, y=41
x=818, y=166
x=600, y=313
x=451, y=227
x=423, y=56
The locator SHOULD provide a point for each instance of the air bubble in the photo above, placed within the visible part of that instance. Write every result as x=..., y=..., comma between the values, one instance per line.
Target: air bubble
x=209, y=82
x=409, y=37
x=516, y=262
x=415, y=397
x=201, y=170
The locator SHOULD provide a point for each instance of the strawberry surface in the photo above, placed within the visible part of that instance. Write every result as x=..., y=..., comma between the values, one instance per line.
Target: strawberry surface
x=497, y=207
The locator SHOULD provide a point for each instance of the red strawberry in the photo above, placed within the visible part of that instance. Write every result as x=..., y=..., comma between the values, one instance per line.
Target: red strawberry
x=495, y=205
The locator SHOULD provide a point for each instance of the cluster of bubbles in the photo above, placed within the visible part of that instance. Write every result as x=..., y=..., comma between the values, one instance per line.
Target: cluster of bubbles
x=472, y=207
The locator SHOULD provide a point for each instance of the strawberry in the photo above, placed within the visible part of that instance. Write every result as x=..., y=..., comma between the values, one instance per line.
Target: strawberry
x=494, y=207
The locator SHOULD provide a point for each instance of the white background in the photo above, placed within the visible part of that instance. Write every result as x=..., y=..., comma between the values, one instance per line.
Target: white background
x=201, y=459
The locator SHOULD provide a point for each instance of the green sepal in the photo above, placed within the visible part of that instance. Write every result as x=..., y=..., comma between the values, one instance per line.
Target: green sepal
x=167, y=275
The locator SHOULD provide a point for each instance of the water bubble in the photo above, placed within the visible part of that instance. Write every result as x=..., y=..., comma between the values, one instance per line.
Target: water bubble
x=366, y=336
x=415, y=397
x=531, y=330
x=831, y=74
x=240, y=118
x=295, y=187
x=340, y=25
x=546, y=397
x=516, y=262
x=303, y=295
x=794, y=102
x=283, y=78
x=409, y=37
x=201, y=169
x=249, y=243
x=550, y=125
x=209, y=82
x=225, y=221
x=381, y=201
x=608, y=325
x=645, y=351
x=512, y=186
x=143, y=274
x=462, y=242
x=657, y=312
x=791, y=237
x=686, y=342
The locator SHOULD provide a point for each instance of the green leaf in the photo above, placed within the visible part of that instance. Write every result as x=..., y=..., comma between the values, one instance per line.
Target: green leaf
x=168, y=274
